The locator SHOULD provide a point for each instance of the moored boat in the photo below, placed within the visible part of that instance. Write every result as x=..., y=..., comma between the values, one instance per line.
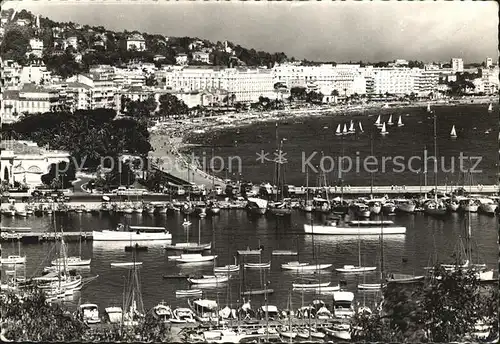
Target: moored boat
x=209, y=279
x=330, y=229
x=257, y=265
x=135, y=233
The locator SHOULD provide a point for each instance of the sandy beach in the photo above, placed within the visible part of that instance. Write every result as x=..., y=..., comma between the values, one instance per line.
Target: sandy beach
x=172, y=137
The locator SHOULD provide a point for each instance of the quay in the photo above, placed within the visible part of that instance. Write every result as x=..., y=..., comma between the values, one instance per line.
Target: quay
x=395, y=189
x=15, y=234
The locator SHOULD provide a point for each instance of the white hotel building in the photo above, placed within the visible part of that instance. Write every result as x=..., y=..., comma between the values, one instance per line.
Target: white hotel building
x=246, y=84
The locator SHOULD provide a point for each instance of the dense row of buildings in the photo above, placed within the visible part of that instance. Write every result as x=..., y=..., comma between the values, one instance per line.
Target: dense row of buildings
x=33, y=89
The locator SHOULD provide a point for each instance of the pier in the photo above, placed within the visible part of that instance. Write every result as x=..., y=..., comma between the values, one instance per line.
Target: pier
x=395, y=190
x=25, y=235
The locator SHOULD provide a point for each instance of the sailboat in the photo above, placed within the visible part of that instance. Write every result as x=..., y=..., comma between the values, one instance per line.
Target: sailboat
x=287, y=332
x=435, y=207
x=490, y=107
x=338, y=132
x=190, y=246
x=307, y=205
x=227, y=268
x=453, y=133
x=351, y=128
x=429, y=108
x=400, y=122
x=359, y=268
x=280, y=207
x=345, y=131
x=384, y=131
x=378, y=122
x=360, y=127
x=133, y=307
x=389, y=122
x=73, y=261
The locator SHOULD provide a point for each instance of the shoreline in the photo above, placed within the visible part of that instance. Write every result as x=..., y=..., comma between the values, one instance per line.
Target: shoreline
x=177, y=134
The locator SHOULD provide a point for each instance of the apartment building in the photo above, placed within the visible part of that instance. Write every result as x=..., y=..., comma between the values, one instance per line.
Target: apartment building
x=102, y=90
x=37, y=74
x=11, y=73
x=30, y=98
x=247, y=84
x=36, y=47
x=397, y=81
x=457, y=64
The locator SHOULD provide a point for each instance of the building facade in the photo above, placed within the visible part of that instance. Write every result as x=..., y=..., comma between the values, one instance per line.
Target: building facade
x=136, y=42
x=457, y=64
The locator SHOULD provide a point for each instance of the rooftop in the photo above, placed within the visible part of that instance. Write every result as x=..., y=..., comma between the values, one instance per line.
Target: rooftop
x=32, y=88
x=136, y=37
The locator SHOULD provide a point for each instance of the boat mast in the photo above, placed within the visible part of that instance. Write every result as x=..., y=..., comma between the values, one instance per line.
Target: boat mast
x=340, y=169
x=435, y=161
x=382, y=249
x=277, y=166
x=371, y=173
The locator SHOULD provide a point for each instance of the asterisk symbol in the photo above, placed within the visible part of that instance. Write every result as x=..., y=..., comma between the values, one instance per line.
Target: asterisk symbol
x=280, y=157
x=262, y=156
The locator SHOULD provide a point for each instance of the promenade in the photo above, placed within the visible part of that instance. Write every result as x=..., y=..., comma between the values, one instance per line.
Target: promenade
x=167, y=158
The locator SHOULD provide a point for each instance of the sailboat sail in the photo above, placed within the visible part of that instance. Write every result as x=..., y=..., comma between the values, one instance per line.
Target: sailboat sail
x=377, y=122
x=338, y=131
x=360, y=127
x=351, y=128
x=490, y=107
x=389, y=122
x=384, y=130
x=453, y=132
x=428, y=107
x=400, y=122
x=345, y=129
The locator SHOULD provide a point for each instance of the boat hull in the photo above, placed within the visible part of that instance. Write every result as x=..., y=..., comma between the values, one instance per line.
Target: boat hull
x=333, y=230
x=130, y=236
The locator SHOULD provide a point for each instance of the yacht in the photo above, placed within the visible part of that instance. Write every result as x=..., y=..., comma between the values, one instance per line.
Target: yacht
x=135, y=233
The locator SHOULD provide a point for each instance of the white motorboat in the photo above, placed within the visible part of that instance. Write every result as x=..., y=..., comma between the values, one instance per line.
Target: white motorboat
x=89, y=313
x=209, y=279
x=114, y=314
x=362, y=210
x=135, y=233
x=355, y=269
x=388, y=207
x=353, y=230
x=226, y=269
x=192, y=258
x=162, y=312
x=343, y=304
x=126, y=264
x=340, y=331
x=405, y=205
x=257, y=205
x=71, y=261
x=257, y=265
x=251, y=252
x=13, y=259
x=375, y=207
x=487, y=205
x=470, y=205
x=183, y=315
x=297, y=266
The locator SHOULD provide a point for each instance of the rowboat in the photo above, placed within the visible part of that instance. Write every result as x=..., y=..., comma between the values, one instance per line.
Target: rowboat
x=249, y=251
x=257, y=292
x=319, y=290
x=284, y=253
x=304, y=266
x=188, y=292
x=192, y=258
x=404, y=279
x=227, y=268
x=355, y=269
x=257, y=265
x=71, y=261
x=209, y=279
x=310, y=285
x=189, y=247
x=126, y=264
x=13, y=260
x=369, y=286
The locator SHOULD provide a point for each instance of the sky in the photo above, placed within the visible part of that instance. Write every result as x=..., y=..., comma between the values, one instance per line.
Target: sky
x=318, y=31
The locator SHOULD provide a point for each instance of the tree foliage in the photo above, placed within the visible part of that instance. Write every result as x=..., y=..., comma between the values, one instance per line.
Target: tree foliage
x=171, y=106
x=15, y=45
x=445, y=309
x=88, y=135
x=28, y=317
